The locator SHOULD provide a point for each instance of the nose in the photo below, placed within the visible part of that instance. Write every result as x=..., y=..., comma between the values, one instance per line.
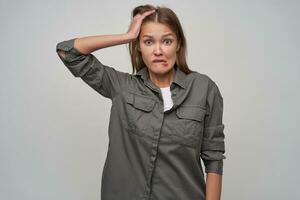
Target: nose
x=157, y=50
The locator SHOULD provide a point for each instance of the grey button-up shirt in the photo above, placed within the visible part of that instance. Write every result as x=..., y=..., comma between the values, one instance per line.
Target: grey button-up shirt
x=152, y=154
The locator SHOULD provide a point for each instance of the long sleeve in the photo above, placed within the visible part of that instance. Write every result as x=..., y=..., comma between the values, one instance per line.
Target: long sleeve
x=213, y=145
x=106, y=80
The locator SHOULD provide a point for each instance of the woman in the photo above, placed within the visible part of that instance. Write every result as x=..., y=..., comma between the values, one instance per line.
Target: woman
x=163, y=119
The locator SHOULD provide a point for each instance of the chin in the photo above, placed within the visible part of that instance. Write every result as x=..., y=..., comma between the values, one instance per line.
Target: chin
x=160, y=69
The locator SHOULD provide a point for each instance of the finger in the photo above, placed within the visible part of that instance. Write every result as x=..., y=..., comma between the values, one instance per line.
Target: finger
x=148, y=12
x=142, y=16
x=151, y=10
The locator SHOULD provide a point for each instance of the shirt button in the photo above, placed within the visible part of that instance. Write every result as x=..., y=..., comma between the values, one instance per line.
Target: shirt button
x=152, y=159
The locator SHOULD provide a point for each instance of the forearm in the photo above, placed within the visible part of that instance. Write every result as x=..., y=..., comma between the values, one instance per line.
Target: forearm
x=213, y=186
x=89, y=44
x=86, y=45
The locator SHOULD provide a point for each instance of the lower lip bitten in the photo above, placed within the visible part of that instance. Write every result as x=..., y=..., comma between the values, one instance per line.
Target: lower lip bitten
x=163, y=63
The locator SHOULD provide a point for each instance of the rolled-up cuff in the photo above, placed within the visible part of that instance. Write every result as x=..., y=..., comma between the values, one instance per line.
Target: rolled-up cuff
x=213, y=161
x=70, y=51
x=214, y=166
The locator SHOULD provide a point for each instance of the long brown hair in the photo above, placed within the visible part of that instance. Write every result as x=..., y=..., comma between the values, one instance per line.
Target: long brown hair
x=167, y=17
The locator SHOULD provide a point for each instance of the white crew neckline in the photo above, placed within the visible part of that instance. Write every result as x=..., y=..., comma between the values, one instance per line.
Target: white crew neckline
x=167, y=99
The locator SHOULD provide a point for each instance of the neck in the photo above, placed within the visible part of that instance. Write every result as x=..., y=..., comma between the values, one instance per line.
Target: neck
x=164, y=80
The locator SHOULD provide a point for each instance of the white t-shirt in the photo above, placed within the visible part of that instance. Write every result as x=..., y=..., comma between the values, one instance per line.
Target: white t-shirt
x=166, y=94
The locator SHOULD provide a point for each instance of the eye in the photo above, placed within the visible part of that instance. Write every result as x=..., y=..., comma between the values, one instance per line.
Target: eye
x=147, y=42
x=169, y=41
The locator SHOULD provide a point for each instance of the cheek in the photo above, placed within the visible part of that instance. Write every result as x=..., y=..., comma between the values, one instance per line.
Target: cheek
x=146, y=53
x=147, y=50
x=172, y=54
x=146, y=57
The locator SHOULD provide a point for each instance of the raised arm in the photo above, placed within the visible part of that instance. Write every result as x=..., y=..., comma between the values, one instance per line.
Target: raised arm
x=76, y=54
x=89, y=44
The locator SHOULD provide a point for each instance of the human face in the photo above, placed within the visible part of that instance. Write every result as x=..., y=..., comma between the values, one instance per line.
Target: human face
x=158, y=42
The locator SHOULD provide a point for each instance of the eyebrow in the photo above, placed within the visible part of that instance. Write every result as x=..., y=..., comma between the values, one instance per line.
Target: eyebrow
x=163, y=35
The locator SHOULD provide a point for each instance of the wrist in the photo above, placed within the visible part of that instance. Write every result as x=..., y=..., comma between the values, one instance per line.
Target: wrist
x=129, y=37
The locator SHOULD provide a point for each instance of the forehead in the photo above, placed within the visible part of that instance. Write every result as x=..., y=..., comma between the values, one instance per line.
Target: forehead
x=154, y=29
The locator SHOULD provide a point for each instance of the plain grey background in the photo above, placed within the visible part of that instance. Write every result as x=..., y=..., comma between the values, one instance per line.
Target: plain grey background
x=53, y=126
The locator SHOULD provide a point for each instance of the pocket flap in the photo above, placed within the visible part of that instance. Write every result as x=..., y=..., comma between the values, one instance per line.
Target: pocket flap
x=141, y=102
x=191, y=112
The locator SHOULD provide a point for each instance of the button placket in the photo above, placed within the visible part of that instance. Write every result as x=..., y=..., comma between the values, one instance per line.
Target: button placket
x=153, y=157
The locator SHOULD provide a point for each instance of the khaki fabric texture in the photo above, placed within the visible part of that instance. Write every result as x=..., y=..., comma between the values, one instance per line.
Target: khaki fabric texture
x=154, y=154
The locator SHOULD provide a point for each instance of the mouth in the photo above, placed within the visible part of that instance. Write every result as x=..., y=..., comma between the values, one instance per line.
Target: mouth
x=159, y=61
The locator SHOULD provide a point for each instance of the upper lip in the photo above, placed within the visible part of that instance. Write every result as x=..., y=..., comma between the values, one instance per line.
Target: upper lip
x=158, y=60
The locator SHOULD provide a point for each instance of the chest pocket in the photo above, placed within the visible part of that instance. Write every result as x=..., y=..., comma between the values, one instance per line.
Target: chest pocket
x=139, y=114
x=188, y=125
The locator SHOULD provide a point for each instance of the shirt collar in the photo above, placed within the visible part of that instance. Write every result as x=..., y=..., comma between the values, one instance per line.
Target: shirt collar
x=179, y=76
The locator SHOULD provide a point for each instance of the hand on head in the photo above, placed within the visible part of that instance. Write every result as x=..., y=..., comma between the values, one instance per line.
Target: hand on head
x=136, y=23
